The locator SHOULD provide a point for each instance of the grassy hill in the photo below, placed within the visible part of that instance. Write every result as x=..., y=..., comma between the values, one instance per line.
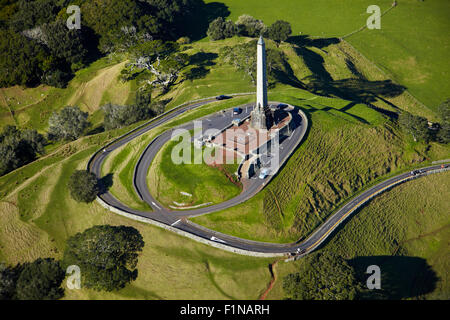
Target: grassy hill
x=89, y=89
x=411, y=46
x=348, y=147
x=37, y=215
x=406, y=233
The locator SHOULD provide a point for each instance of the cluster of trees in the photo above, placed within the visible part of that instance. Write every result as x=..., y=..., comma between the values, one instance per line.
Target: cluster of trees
x=117, y=116
x=243, y=58
x=109, y=261
x=323, y=276
x=18, y=148
x=37, y=47
x=248, y=26
x=37, y=280
x=420, y=129
x=106, y=255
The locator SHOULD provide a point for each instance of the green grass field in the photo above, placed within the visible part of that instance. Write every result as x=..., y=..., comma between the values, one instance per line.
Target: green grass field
x=404, y=231
x=411, y=46
x=204, y=184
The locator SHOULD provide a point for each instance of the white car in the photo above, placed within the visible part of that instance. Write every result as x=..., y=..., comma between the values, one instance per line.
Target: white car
x=264, y=173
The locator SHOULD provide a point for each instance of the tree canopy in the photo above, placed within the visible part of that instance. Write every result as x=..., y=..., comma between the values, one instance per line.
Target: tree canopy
x=37, y=47
x=40, y=280
x=68, y=124
x=279, y=31
x=107, y=256
x=18, y=148
x=250, y=27
x=323, y=276
x=83, y=186
x=220, y=29
x=415, y=125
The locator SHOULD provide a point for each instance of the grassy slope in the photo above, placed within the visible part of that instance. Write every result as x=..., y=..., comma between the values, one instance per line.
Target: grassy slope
x=345, y=151
x=90, y=88
x=411, y=46
x=38, y=214
x=396, y=231
x=42, y=232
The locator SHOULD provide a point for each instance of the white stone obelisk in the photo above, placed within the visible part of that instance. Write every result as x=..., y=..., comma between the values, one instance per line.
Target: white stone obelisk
x=261, y=76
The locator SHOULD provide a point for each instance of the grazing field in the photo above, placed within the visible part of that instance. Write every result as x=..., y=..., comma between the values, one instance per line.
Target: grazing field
x=411, y=46
x=404, y=231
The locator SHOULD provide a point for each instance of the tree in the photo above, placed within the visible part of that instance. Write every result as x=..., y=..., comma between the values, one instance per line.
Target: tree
x=40, y=280
x=242, y=57
x=221, y=29
x=18, y=148
x=415, y=125
x=161, y=60
x=323, y=276
x=279, y=31
x=83, y=186
x=117, y=116
x=65, y=44
x=444, y=111
x=8, y=280
x=68, y=124
x=250, y=27
x=443, y=135
x=107, y=256
x=157, y=108
x=144, y=97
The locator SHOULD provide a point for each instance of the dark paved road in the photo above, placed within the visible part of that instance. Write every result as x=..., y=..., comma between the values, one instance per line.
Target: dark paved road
x=178, y=219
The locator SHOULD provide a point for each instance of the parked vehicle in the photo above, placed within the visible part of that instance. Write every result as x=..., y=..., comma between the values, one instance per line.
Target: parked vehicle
x=222, y=97
x=264, y=173
x=237, y=110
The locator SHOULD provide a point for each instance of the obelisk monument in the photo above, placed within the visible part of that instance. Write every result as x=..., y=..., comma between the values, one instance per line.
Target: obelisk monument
x=261, y=76
x=260, y=116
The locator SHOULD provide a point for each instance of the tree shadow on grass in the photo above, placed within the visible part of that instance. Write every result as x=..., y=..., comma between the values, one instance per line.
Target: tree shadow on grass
x=201, y=60
x=357, y=89
x=214, y=283
x=401, y=276
x=199, y=22
x=105, y=183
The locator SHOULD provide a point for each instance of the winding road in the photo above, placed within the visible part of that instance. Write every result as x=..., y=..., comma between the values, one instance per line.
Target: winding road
x=177, y=221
